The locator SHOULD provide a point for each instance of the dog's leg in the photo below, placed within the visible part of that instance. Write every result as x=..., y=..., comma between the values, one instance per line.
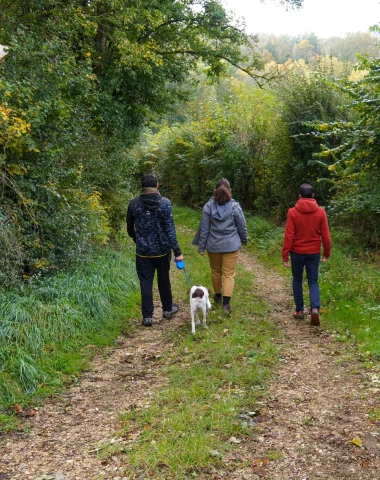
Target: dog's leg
x=192, y=322
x=204, y=317
x=197, y=317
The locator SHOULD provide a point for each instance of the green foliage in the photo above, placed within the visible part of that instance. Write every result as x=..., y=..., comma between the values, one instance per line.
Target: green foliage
x=44, y=325
x=79, y=81
x=11, y=259
x=232, y=131
x=354, y=157
x=309, y=97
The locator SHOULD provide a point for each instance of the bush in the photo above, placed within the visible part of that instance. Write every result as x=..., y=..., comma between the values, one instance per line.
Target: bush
x=11, y=253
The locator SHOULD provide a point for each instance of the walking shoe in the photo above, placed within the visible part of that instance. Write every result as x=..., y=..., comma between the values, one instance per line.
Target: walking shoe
x=216, y=298
x=147, y=322
x=299, y=315
x=315, y=317
x=174, y=310
x=227, y=308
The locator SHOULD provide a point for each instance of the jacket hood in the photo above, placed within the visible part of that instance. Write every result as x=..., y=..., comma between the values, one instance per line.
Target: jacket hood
x=151, y=201
x=221, y=212
x=306, y=205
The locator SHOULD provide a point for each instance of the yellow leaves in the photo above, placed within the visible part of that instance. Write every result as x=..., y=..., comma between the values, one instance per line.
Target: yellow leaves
x=16, y=169
x=26, y=201
x=41, y=263
x=357, y=441
x=94, y=200
x=144, y=55
x=331, y=168
x=12, y=129
x=88, y=54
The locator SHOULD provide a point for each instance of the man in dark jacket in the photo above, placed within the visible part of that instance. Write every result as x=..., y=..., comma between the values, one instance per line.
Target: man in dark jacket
x=306, y=228
x=151, y=226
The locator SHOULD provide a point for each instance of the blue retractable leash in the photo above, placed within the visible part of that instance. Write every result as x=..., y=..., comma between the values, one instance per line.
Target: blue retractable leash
x=181, y=266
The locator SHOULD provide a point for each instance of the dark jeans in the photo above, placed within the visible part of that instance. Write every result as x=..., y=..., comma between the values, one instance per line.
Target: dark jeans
x=311, y=263
x=146, y=268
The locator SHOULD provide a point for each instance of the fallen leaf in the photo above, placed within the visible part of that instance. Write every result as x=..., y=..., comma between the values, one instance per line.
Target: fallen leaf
x=234, y=440
x=31, y=413
x=18, y=408
x=357, y=441
x=214, y=453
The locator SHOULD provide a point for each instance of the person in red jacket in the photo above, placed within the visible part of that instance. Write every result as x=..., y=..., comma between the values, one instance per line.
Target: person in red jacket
x=306, y=228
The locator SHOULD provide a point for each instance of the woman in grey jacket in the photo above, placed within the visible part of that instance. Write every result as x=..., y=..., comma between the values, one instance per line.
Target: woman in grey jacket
x=222, y=232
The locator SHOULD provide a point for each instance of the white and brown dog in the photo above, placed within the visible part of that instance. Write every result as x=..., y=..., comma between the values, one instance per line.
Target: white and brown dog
x=199, y=300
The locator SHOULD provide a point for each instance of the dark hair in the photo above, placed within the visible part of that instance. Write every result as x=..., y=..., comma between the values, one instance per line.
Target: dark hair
x=222, y=192
x=149, y=181
x=306, y=190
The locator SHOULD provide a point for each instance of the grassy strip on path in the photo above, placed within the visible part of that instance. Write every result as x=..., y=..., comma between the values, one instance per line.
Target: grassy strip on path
x=349, y=283
x=215, y=378
x=50, y=328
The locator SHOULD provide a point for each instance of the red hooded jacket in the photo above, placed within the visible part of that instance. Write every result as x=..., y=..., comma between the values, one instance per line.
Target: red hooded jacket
x=306, y=226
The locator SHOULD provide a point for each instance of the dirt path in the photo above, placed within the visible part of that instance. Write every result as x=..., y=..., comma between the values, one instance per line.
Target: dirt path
x=65, y=436
x=319, y=402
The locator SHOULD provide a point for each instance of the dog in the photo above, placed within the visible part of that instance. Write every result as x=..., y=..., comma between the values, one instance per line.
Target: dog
x=199, y=300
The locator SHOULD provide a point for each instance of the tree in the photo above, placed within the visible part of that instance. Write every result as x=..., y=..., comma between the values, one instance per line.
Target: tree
x=80, y=79
x=304, y=50
x=308, y=97
x=354, y=161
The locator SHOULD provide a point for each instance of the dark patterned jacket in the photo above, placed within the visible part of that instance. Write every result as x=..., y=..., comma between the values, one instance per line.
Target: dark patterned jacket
x=151, y=226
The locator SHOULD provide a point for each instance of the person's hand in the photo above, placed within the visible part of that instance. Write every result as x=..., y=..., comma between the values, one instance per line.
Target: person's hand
x=179, y=258
x=201, y=253
x=323, y=259
x=287, y=264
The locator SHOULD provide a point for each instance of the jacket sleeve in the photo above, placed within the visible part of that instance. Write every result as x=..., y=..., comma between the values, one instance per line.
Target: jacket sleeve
x=131, y=223
x=204, y=228
x=241, y=224
x=170, y=229
x=325, y=234
x=288, y=237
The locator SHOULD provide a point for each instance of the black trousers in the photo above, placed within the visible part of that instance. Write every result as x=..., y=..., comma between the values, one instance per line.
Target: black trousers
x=146, y=268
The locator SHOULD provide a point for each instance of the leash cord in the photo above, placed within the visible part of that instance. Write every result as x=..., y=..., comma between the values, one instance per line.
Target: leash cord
x=187, y=277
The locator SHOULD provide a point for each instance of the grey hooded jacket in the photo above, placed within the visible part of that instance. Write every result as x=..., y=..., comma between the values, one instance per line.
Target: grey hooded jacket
x=222, y=228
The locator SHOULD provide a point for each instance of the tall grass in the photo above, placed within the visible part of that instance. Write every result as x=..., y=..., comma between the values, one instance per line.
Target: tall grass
x=349, y=283
x=44, y=324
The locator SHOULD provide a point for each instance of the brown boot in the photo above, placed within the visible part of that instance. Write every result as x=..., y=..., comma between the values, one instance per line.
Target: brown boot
x=315, y=317
x=299, y=315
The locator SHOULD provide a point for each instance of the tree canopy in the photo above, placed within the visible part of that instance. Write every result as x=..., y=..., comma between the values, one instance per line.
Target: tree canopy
x=79, y=81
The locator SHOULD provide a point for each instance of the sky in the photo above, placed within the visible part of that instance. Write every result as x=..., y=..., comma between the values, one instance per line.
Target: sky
x=325, y=18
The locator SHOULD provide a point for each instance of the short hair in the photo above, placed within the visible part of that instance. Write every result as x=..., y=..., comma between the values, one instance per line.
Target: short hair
x=306, y=190
x=149, y=181
x=222, y=192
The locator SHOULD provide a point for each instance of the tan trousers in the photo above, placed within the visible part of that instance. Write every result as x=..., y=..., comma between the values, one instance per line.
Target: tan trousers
x=223, y=271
